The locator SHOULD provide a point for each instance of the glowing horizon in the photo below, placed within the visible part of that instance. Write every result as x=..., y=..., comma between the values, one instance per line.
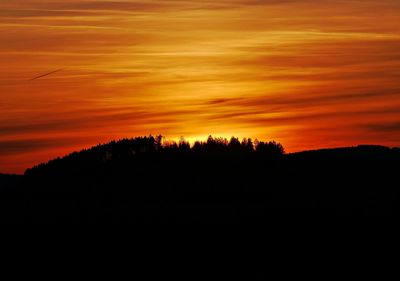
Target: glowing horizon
x=308, y=74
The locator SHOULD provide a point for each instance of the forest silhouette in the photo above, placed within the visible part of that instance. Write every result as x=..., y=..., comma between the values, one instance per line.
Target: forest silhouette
x=152, y=180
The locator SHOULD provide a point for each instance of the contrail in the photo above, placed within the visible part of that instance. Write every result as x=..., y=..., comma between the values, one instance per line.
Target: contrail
x=43, y=75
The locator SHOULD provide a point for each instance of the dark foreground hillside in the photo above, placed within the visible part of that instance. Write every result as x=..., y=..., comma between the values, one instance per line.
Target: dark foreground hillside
x=218, y=181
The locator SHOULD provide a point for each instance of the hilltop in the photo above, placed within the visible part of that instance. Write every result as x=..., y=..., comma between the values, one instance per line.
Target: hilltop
x=146, y=180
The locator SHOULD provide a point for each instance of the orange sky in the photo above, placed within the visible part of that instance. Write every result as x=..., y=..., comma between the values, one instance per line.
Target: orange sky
x=308, y=73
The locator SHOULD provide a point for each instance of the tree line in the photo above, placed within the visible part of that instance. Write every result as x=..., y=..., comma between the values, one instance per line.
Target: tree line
x=149, y=148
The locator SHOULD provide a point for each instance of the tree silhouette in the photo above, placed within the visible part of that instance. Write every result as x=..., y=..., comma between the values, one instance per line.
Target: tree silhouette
x=270, y=149
x=127, y=152
x=234, y=145
x=151, y=179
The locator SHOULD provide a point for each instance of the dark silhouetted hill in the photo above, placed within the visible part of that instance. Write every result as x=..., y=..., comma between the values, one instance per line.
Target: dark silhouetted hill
x=9, y=181
x=146, y=180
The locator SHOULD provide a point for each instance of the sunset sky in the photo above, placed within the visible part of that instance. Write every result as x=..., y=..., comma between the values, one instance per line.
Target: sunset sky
x=309, y=73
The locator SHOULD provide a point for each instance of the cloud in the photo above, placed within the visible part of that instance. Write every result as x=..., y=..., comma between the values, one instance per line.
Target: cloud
x=389, y=128
x=84, y=121
x=12, y=147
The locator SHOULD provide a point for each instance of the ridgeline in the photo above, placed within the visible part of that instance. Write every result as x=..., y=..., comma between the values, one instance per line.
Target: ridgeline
x=146, y=180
